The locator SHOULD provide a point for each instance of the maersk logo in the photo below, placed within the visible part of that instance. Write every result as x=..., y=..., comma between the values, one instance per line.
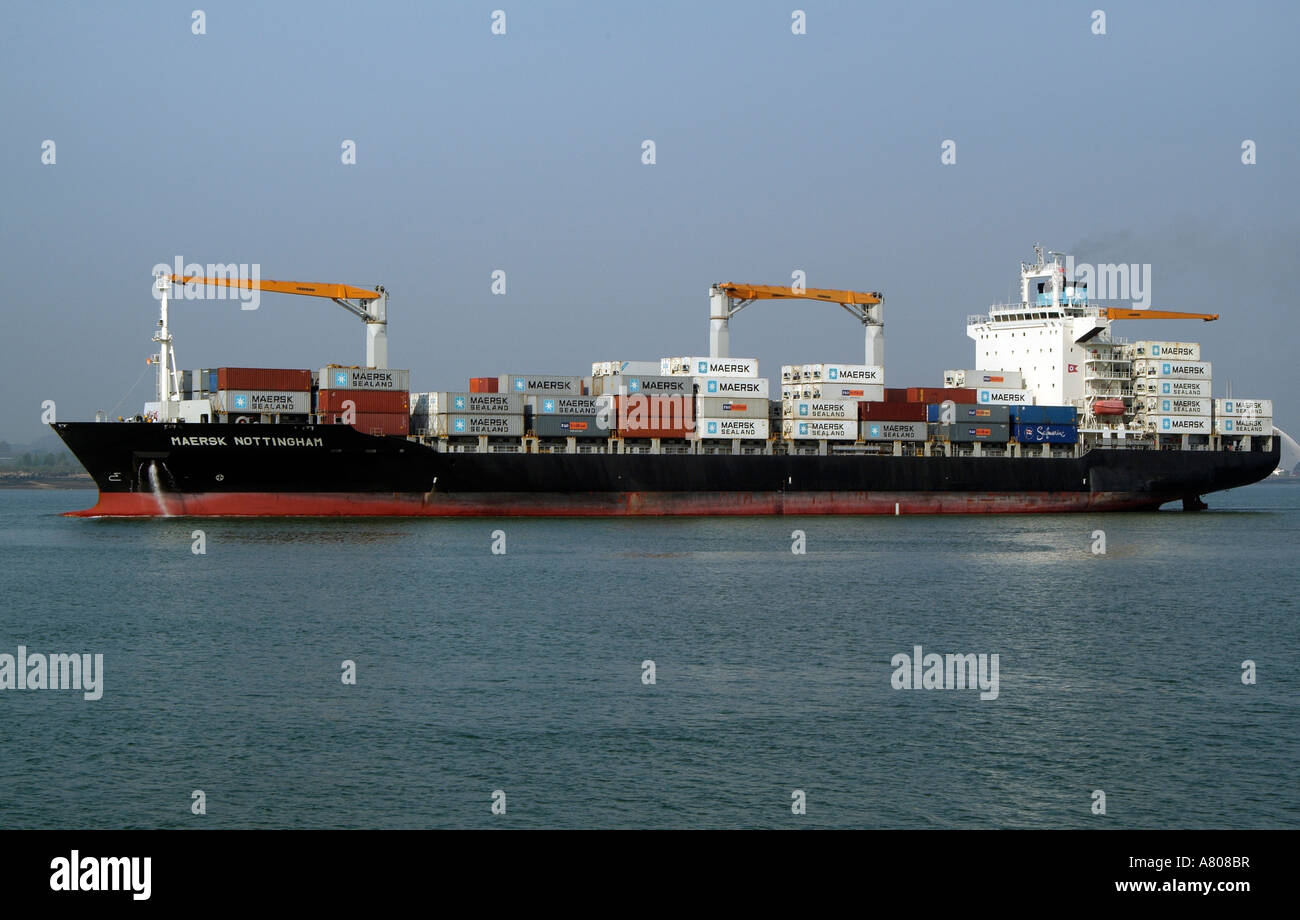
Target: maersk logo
x=458, y=425
x=459, y=403
x=704, y=367
x=803, y=408
x=241, y=402
x=1155, y=351
x=835, y=373
x=634, y=385
x=1165, y=423
x=713, y=386
x=803, y=427
x=340, y=378
x=712, y=428
x=1227, y=406
x=875, y=431
x=519, y=385
x=1166, y=405
x=548, y=405
x=1164, y=388
x=984, y=396
x=1164, y=369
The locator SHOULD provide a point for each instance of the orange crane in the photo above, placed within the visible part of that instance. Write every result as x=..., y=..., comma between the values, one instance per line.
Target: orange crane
x=729, y=298
x=370, y=305
x=1118, y=313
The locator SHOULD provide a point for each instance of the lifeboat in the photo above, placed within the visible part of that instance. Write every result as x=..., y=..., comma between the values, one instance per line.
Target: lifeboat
x=1108, y=407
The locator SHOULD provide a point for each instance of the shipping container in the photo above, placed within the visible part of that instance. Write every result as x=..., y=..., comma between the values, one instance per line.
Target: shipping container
x=941, y=394
x=876, y=411
x=713, y=367
x=1184, y=370
x=383, y=423
x=967, y=412
x=455, y=425
x=271, y=402
x=856, y=374
x=731, y=386
x=569, y=426
x=1244, y=408
x=638, y=416
x=1183, y=351
x=266, y=379
x=1195, y=389
x=1000, y=397
x=442, y=402
x=798, y=429
x=729, y=428
x=730, y=407
x=1044, y=415
x=967, y=432
x=337, y=377
x=565, y=405
x=1177, y=405
x=896, y=395
x=541, y=384
x=791, y=373
x=1011, y=380
x=1046, y=434
x=881, y=430
x=852, y=392
x=633, y=384
x=626, y=369
x=363, y=401
x=1239, y=425
x=1179, y=424
x=820, y=408
x=483, y=384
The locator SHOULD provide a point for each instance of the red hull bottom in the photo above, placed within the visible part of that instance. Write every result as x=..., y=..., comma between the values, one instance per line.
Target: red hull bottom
x=606, y=504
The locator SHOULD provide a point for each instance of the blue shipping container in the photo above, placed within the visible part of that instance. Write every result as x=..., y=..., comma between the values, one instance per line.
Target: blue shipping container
x=1047, y=434
x=1044, y=415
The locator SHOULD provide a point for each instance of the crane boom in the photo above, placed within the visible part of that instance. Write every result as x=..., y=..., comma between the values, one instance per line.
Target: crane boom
x=310, y=288
x=776, y=292
x=1118, y=313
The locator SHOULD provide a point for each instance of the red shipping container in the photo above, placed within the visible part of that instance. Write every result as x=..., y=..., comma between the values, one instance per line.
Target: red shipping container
x=895, y=394
x=654, y=416
x=375, y=422
x=263, y=378
x=364, y=400
x=891, y=411
x=482, y=384
x=939, y=394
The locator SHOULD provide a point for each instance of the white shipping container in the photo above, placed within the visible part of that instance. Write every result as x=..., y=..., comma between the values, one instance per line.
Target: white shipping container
x=544, y=384
x=1184, y=351
x=461, y=426
x=564, y=405
x=657, y=385
x=443, y=402
x=363, y=378
x=797, y=429
x=715, y=367
x=1244, y=408
x=820, y=408
x=728, y=428
x=791, y=373
x=1012, y=380
x=852, y=374
x=731, y=386
x=730, y=407
x=836, y=391
x=1173, y=387
x=893, y=431
x=1179, y=424
x=991, y=396
x=1261, y=425
x=1178, y=405
x=1179, y=368
x=625, y=368
x=271, y=402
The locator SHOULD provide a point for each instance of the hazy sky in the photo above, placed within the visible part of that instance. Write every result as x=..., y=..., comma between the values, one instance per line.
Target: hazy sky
x=523, y=152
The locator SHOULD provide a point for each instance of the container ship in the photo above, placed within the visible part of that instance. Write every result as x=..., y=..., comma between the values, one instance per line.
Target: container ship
x=1056, y=415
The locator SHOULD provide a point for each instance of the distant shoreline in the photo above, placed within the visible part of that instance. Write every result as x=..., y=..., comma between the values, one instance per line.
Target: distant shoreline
x=29, y=481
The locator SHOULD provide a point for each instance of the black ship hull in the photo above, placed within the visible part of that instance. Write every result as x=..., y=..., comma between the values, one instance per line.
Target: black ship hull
x=152, y=469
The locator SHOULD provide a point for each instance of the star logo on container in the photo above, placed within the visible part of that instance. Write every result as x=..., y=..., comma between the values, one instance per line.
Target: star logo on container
x=835, y=373
x=984, y=396
x=875, y=431
x=1227, y=426
x=548, y=405
x=1155, y=351
x=241, y=402
x=1164, y=405
x=713, y=428
x=704, y=367
x=1164, y=388
x=713, y=386
x=1227, y=407
x=519, y=384
x=803, y=408
x=634, y=386
x=459, y=402
x=459, y=424
x=1164, y=423
x=803, y=427
x=341, y=378
x=1164, y=369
